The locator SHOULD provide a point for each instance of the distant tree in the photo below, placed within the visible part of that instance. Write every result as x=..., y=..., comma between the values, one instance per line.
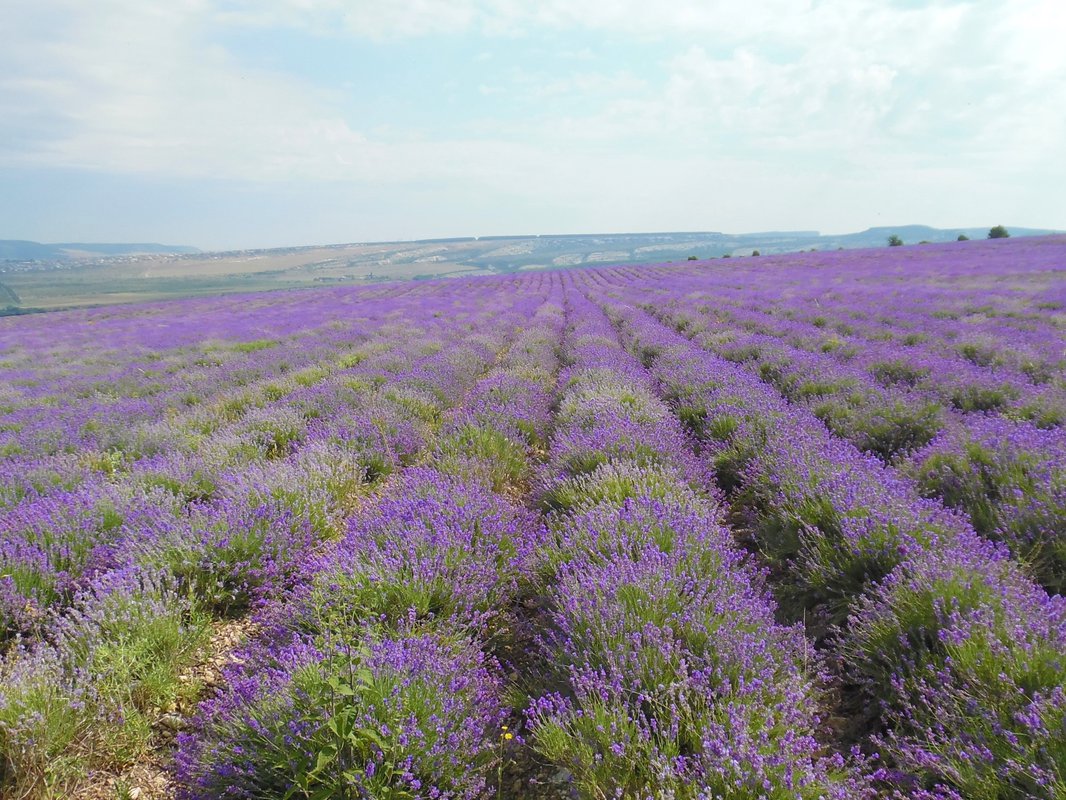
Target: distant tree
x=998, y=232
x=963, y=238
x=728, y=255
x=894, y=241
x=756, y=253
x=925, y=241
x=693, y=258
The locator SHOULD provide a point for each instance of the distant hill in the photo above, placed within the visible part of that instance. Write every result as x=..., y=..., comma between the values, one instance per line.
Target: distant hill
x=37, y=276
x=504, y=253
x=22, y=250
x=913, y=234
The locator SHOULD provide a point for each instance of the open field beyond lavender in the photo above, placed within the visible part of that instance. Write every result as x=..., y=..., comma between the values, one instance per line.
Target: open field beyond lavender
x=776, y=527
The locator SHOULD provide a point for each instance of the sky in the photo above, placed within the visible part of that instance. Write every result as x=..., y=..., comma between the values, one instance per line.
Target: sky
x=261, y=123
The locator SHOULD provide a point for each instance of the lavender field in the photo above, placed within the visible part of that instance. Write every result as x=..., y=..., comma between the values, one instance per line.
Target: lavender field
x=775, y=527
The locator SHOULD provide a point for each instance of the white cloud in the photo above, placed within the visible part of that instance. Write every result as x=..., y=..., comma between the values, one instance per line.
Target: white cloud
x=138, y=91
x=619, y=83
x=852, y=97
x=862, y=83
x=405, y=18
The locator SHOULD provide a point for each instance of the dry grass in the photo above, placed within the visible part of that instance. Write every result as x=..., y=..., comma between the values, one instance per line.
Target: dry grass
x=150, y=778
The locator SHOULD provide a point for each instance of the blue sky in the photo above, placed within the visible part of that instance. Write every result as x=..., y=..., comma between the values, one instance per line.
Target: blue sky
x=233, y=123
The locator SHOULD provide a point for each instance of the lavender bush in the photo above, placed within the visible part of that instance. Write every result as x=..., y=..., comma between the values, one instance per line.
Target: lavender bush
x=769, y=528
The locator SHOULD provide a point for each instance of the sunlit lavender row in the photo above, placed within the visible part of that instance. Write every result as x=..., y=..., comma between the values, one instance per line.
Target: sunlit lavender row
x=788, y=527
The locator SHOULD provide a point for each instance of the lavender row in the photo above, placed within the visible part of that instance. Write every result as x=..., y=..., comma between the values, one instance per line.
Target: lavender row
x=381, y=675
x=200, y=557
x=50, y=542
x=956, y=653
x=1008, y=476
x=677, y=679
x=968, y=381
x=144, y=404
x=138, y=383
x=165, y=466
x=979, y=372
x=123, y=392
x=851, y=323
x=957, y=299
